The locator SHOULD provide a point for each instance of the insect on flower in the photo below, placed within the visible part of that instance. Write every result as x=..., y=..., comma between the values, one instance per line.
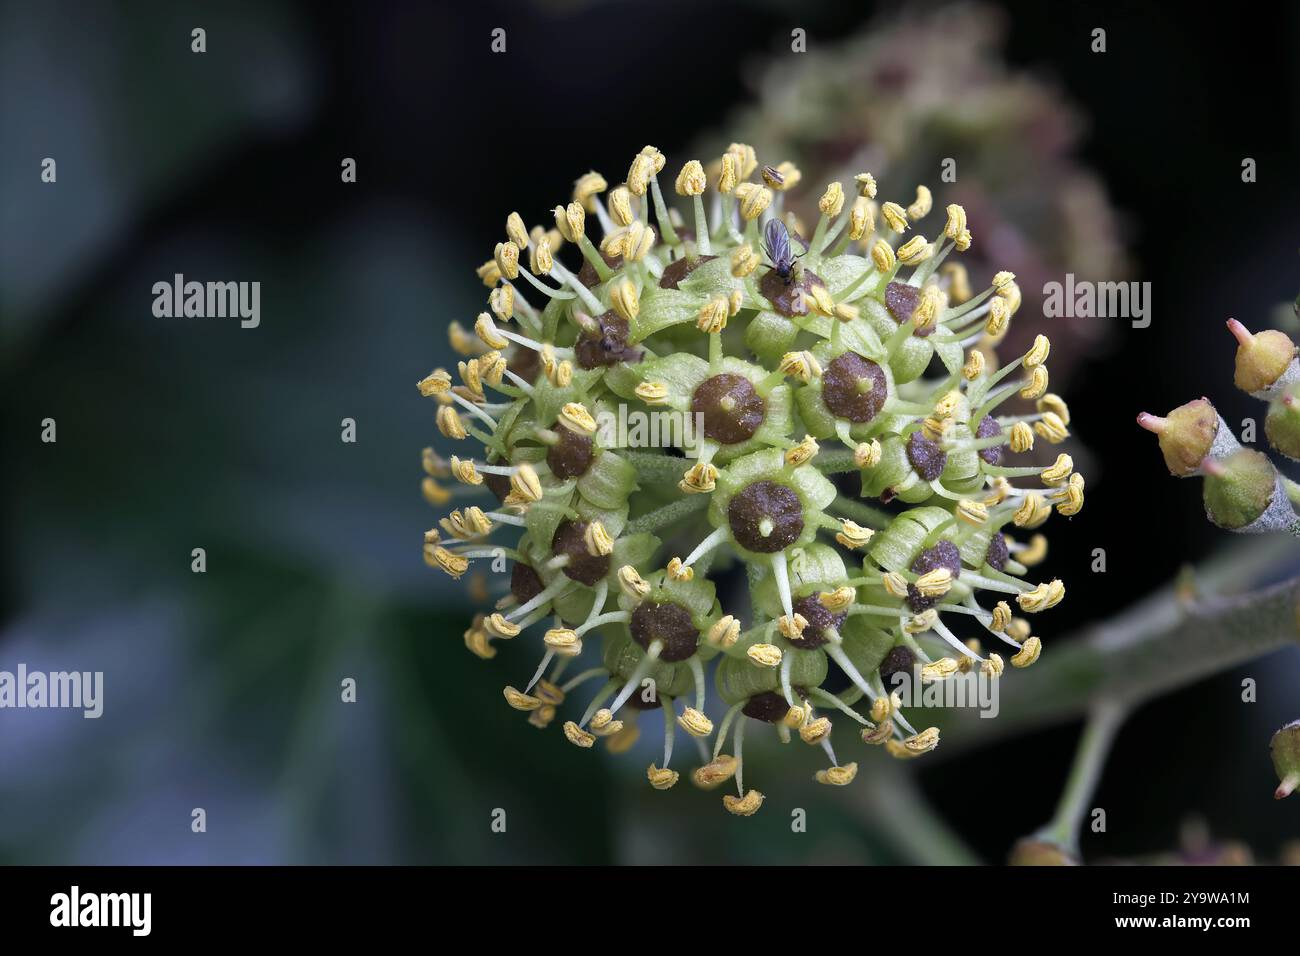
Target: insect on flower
x=776, y=243
x=792, y=370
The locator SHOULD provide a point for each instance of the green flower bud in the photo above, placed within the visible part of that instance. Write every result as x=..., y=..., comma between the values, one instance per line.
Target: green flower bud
x=1243, y=493
x=1282, y=425
x=1031, y=852
x=1285, y=749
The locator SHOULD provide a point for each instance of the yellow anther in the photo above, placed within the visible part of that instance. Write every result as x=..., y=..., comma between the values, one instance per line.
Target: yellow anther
x=1038, y=352
x=735, y=301
x=993, y=666
x=801, y=453
x=598, y=540
x=764, y=655
x=638, y=240
x=526, y=484
x=795, y=717
x=1034, y=552
x=434, y=464
x=930, y=305
x=815, y=731
x=938, y=670
x=631, y=583
x=959, y=289
x=915, y=251
x=478, y=644
x=1056, y=405
x=577, y=736
x=562, y=374
x=652, y=393
x=713, y=316
x=866, y=185
x=489, y=272
x=822, y=303
x=563, y=641
x=1003, y=280
x=882, y=708
x=846, y=311
x=465, y=472
x=434, y=493
x=540, y=260
x=728, y=173
x=791, y=627
x=923, y=742
x=1018, y=629
x=862, y=218
x=867, y=454
x=492, y=367
x=837, y=776
x=724, y=633
x=1001, y=616
x=691, y=181
x=754, y=200
x=498, y=626
x=501, y=301
x=832, y=201
x=1021, y=438
x=746, y=158
x=715, y=773
x=603, y=723
x=507, y=259
x=1032, y=512
x=435, y=383
x=920, y=623
x=879, y=734
x=462, y=342
x=744, y=260
x=453, y=564
x=956, y=222
x=935, y=583
x=972, y=512
x=449, y=422
x=586, y=187
x=782, y=177
x=935, y=428
x=624, y=300
x=486, y=330
x=1052, y=427
x=837, y=600
x=921, y=206
x=521, y=701
x=700, y=478
x=963, y=241
x=1059, y=472
x=882, y=256
x=515, y=230
x=678, y=571
x=695, y=723
x=639, y=173
x=999, y=316
x=895, y=216
x=1041, y=597
x=853, y=535
x=895, y=584
x=1037, y=383
x=947, y=406
x=745, y=806
x=1069, y=500
x=620, y=206
x=575, y=417
x=1029, y=652
x=802, y=365
x=661, y=778
x=469, y=375
x=1000, y=488
x=624, y=740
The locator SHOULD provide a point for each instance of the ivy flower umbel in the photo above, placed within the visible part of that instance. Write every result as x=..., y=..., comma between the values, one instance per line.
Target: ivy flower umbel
x=861, y=348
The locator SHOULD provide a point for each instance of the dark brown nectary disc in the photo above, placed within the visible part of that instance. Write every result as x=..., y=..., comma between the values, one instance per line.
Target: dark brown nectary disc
x=732, y=408
x=789, y=298
x=587, y=274
x=819, y=620
x=571, y=456
x=669, y=623
x=765, y=500
x=854, y=387
x=927, y=458
x=608, y=346
x=583, y=566
x=767, y=706
x=679, y=269
x=987, y=428
x=524, y=583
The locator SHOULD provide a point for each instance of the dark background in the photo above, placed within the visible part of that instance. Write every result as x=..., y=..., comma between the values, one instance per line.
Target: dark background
x=222, y=688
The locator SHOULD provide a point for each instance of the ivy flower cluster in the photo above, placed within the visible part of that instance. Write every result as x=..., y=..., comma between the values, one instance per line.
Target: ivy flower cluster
x=1243, y=491
x=863, y=348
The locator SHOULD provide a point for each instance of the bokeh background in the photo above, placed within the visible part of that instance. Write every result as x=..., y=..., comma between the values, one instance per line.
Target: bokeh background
x=222, y=689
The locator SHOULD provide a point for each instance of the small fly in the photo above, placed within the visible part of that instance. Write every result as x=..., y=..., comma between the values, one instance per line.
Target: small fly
x=776, y=243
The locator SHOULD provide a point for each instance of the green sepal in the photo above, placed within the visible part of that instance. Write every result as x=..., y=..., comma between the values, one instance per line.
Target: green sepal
x=818, y=567
x=865, y=644
x=738, y=678
x=608, y=482
x=896, y=547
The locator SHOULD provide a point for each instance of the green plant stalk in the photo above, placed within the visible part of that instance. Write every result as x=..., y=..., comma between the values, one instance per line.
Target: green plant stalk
x=1098, y=734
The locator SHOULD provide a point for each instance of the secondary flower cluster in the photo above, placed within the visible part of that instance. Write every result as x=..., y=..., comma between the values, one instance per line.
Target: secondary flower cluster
x=1243, y=491
x=859, y=349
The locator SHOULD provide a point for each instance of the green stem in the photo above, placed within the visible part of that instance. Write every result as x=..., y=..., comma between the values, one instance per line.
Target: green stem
x=863, y=514
x=1098, y=734
x=669, y=514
